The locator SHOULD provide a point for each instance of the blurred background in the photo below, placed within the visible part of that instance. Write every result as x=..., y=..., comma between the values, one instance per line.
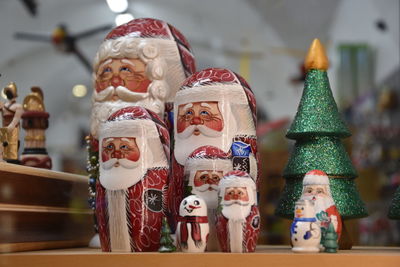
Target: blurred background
x=263, y=40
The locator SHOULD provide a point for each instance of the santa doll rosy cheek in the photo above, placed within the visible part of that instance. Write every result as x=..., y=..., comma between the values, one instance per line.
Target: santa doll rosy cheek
x=104, y=156
x=215, y=124
x=133, y=155
x=138, y=86
x=100, y=86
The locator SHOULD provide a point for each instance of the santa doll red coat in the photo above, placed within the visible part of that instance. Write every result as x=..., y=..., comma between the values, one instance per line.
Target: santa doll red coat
x=131, y=191
x=238, y=223
x=214, y=107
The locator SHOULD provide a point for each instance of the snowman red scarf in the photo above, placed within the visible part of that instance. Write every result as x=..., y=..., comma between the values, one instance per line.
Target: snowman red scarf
x=196, y=232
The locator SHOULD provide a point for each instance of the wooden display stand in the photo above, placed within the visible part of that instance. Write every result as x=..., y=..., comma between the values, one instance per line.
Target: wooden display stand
x=264, y=256
x=42, y=209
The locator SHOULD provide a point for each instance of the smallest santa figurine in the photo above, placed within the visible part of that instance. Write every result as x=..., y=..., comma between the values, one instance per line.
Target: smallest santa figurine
x=192, y=231
x=305, y=233
x=316, y=188
x=238, y=219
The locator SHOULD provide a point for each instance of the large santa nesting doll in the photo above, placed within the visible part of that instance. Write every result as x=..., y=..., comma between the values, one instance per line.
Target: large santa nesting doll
x=204, y=168
x=238, y=223
x=316, y=188
x=142, y=62
x=131, y=191
x=214, y=107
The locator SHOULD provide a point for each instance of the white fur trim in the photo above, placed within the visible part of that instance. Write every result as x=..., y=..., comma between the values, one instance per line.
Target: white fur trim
x=128, y=128
x=316, y=180
x=216, y=92
x=208, y=164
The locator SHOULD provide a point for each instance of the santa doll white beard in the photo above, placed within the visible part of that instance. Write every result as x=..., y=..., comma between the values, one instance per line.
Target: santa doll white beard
x=118, y=224
x=236, y=210
x=209, y=196
x=121, y=177
x=103, y=106
x=186, y=142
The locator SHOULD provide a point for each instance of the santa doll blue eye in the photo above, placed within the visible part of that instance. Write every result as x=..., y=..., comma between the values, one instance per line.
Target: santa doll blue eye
x=125, y=69
x=204, y=112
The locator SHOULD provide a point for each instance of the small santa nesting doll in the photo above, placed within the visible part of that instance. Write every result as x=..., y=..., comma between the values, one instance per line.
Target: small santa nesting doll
x=238, y=223
x=316, y=188
x=214, y=107
x=192, y=231
x=131, y=190
x=204, y=168
x=305, y=232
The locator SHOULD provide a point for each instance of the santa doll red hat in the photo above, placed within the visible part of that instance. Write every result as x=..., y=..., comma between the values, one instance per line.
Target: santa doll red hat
x=131, y=191
x=316, y=187
x=238, y=224
x=167, y=57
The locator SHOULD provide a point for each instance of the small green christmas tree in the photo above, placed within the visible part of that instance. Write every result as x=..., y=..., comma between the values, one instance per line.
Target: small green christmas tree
x=394, y=209
x=166, y=242
x=330, y=240
x=318, y=130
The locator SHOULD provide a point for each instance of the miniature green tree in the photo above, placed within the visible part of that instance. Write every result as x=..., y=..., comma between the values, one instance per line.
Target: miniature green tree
x=330, y=240
x=318, y=129
x=166, y=242
x=394, y=209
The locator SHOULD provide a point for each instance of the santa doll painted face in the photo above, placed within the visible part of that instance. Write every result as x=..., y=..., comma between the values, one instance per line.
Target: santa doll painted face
x=142, y=62
x=316, y=188
x=238, y=224
x=204, y=169
x=131, y=191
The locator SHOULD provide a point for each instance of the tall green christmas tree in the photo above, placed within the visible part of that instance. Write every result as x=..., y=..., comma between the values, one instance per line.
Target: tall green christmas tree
x=394, y=209
x=318, y=130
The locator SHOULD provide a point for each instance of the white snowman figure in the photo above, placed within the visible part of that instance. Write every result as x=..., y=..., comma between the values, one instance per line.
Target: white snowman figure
x=192, y=231
x=305, y=233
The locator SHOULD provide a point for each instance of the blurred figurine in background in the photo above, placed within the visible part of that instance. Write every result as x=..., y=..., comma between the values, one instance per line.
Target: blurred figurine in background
x=193, y=228
x=11, y=115
x=131, y=190
x=316, y=188
x=238, y=222
x=305, y=233
x=35, y=120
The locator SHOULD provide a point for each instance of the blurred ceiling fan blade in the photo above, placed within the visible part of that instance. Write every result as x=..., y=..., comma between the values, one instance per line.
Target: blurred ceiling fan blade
x=31, y=6
x=92, y=31
x=32, y=37
x=83, y=59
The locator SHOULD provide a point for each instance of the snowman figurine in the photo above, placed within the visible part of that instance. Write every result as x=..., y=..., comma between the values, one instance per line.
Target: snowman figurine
x=305, y=233
x=192, y=231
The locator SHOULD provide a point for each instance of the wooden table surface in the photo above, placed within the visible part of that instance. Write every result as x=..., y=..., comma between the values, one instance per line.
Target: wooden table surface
x=264, y=256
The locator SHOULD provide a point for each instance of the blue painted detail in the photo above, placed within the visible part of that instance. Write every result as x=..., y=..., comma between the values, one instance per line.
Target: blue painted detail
x=240, y=149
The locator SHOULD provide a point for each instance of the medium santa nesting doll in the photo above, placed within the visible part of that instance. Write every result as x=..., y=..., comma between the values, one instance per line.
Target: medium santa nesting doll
x=238, y=223
x=316, y=188
x=193, y=228
x=214, y=107
x=131, y=191
x=204, y=168
x=142, y=62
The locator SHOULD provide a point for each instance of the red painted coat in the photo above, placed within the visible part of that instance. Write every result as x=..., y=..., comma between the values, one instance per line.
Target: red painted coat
x=147, y=201
x=251, y=229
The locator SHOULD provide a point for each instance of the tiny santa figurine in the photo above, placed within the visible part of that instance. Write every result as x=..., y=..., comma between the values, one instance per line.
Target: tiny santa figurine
x=238, y=223
x=11, y=114
x=204, y=168
x=192, y=231
x=131, y=190
x=316, y=188
x=35, y=120
x=305, y=232
x=214, y=107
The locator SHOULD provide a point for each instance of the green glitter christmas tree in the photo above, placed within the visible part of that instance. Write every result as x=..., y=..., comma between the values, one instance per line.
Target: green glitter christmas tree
x=318, y=129
x=394, y=209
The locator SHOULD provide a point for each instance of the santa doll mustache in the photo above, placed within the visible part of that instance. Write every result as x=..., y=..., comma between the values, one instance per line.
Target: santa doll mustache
x=229, y=203
x=122, y=92
x=206, y=187
x=202, y=128
x=125, y=163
